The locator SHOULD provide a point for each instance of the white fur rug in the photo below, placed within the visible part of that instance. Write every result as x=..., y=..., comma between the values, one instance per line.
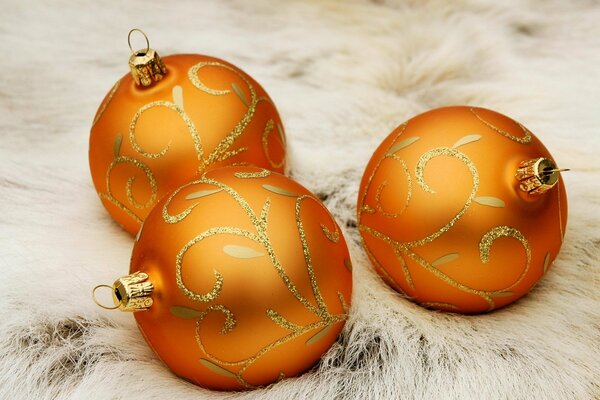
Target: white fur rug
x=343, y=74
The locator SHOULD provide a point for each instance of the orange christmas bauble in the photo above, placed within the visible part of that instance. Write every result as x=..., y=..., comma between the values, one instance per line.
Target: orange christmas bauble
x=197, y=113
x=249, y=279
x=462, y=209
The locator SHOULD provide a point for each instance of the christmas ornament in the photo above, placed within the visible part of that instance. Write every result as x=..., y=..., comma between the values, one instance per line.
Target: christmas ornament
x=462, y=209
x=238, y=279
x=171, y=119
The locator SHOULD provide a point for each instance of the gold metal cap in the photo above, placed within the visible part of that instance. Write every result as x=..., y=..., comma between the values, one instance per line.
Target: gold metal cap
x=146, y=65
x=130, y=293
x=538, y=175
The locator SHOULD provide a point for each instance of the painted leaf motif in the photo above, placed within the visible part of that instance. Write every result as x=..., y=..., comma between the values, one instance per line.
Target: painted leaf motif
x=278, y=190
x=139, y=233
x=489, y=201
x=117, y=144
x=348, y=264
x=280, y=131
x=507, y=293
x=240, y=93
x=184, y=312
x=319, y=335
x=201, y=193
x=466, y=139
x=546, y=262
x=443, y=306
x=241, y=251
x=402, y=144
x=445, y=259
x=216, y=368
x=178, y=95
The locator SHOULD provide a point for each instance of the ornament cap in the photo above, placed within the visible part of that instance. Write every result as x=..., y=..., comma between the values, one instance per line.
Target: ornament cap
x=538, y=175
x=146, y=65
x=130, y=293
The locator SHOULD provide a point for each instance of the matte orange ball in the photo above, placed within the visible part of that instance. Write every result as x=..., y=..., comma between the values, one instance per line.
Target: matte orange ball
x=201, y=113
x=454, y=216
x=251, y=279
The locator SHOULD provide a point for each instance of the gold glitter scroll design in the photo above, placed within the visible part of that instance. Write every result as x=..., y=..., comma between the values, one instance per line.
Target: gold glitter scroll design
x=406, y=250
x=132, y=203
x=526, y=139
x=324, y=318
x=485, y=247
x=151, y=180
x=223, y=151
x=379, y=206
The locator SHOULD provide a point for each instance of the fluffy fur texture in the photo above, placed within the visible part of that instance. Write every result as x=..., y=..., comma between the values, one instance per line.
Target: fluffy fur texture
x=343, y=74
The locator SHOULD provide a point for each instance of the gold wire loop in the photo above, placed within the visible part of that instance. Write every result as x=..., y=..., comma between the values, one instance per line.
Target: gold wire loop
x=551, y=171
x=96, y=300
x=145, y=37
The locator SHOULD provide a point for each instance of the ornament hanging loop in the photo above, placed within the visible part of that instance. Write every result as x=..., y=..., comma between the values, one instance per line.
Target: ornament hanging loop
x=145, y=37
x=146, y=65
x=538, y=175
x=551, y=171
x=130, y=293
x=112, y=289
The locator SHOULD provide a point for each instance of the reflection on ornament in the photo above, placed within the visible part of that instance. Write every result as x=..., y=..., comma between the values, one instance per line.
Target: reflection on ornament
x=170, y=120
x=250, y=279
x=462, y=209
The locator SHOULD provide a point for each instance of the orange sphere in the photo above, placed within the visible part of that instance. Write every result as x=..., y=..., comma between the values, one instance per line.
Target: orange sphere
x=442, y=215
x=204, y=113
x=251, y=279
